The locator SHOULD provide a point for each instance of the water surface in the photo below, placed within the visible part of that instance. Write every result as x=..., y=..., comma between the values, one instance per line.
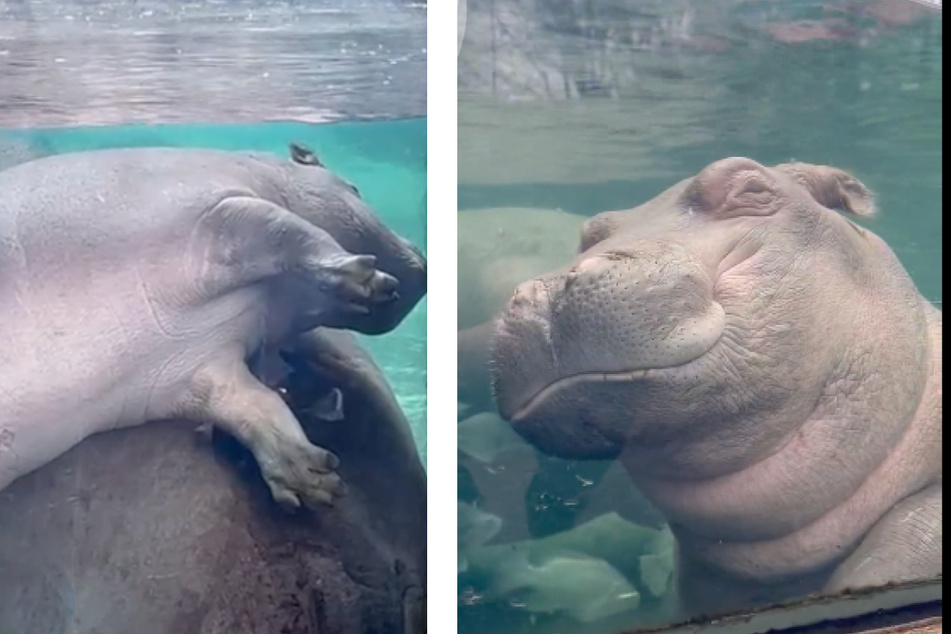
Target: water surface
x=221, y=61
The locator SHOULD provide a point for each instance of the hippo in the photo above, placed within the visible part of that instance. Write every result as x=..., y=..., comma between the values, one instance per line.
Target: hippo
x=136, y=283
x=537, y=495
x=763, y=367
x=148, y=529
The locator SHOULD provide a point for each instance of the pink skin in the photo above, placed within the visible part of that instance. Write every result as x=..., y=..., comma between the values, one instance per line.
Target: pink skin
x=765, y=369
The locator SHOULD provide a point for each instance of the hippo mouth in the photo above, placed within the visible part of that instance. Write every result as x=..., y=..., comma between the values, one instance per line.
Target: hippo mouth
x=529, y=403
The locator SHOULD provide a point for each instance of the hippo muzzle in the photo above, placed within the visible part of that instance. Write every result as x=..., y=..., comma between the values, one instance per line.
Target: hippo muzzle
x=574, y=340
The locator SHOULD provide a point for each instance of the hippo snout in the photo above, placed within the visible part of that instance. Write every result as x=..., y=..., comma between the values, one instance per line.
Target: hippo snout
x=610, y=318
x=408, y=267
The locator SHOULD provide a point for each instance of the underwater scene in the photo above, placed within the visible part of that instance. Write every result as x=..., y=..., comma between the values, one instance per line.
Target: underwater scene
x=387, y=159
x=212, y=221
x=700, y=307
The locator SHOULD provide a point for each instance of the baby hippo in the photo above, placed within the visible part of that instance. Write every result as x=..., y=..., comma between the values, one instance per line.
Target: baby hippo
x=765, y=370
x=135, y=284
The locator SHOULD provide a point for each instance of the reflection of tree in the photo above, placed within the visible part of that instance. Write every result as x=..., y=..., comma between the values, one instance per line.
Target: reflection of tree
x=594, y=94
x=615, y=48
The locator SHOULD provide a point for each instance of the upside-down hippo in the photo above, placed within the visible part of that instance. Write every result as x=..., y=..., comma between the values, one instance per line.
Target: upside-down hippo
x=764, y=368
x=136, y=283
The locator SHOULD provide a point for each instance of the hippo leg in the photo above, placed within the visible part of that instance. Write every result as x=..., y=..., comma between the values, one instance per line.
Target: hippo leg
x=904, y=545
x=226, y=395
x=253, y=239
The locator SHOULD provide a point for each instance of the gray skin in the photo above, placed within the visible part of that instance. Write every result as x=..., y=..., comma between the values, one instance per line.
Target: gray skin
x=149, y=530
x=766, y=371
x=137, y=282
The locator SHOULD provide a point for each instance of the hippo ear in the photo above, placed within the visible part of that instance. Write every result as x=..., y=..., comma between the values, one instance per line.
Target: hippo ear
x=832, y=187
x=304, y=155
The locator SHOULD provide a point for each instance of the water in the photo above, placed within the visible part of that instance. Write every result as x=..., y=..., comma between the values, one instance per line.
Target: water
x=222, y=61
x=385, y=159
x=587, y=107
x=349, y=79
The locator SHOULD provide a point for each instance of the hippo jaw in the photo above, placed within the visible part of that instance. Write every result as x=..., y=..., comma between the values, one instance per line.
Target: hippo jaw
x=670, y=309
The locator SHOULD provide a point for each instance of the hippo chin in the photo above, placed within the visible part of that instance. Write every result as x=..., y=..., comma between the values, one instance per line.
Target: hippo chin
x=765, y=370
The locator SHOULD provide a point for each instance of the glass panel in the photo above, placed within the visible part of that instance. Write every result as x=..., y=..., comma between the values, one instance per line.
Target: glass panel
x=727, y=395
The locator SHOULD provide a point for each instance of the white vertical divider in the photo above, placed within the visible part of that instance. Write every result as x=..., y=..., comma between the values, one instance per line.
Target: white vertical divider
x=442, y=52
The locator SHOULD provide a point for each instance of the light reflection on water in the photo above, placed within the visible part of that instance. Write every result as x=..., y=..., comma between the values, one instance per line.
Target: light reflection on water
x=81, y=63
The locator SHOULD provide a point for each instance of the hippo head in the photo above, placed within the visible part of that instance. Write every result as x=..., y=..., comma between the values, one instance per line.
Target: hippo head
x=727, y=308
x=321, y=197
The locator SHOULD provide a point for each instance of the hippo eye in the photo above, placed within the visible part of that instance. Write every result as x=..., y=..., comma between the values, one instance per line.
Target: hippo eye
x=353, y=188
x=753, y=186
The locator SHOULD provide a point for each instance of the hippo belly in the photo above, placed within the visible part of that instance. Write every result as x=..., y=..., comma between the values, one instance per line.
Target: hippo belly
x=94, y=358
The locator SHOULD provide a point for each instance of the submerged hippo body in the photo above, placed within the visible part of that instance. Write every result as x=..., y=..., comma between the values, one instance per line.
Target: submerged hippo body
x=149, y=530
x=499, y=249
x=765, y=369
x=135, y=283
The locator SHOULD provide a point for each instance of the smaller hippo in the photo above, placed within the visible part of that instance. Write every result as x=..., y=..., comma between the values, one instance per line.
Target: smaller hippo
x=764, y=368
x=136, y=283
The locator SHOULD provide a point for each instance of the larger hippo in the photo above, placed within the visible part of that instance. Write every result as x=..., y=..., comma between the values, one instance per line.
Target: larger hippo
x=149, y=530
x=499, y=249
x=764, y=368
x=135, y=284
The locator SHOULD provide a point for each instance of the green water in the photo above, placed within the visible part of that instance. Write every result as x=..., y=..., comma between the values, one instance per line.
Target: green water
x=866, y=98
x=386, y=160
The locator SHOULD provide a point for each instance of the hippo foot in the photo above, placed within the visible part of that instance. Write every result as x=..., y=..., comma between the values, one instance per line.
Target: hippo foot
x=354, y=284
x=297, y=471
x=294, y=471
x=905, y=545
x=225, y=395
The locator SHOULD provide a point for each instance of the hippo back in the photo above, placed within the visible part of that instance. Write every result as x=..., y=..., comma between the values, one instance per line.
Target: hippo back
x=149, y=530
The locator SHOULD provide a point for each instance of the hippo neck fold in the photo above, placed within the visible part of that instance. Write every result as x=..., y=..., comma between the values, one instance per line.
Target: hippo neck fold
x=785, y=515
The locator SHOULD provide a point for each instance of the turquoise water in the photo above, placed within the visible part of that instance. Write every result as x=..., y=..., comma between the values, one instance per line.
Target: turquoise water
x=589, y=107
x=386, y=160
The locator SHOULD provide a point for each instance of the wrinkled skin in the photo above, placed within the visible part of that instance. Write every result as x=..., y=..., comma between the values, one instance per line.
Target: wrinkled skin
x=765, y=369
x=136, y=283
x=149, y=530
